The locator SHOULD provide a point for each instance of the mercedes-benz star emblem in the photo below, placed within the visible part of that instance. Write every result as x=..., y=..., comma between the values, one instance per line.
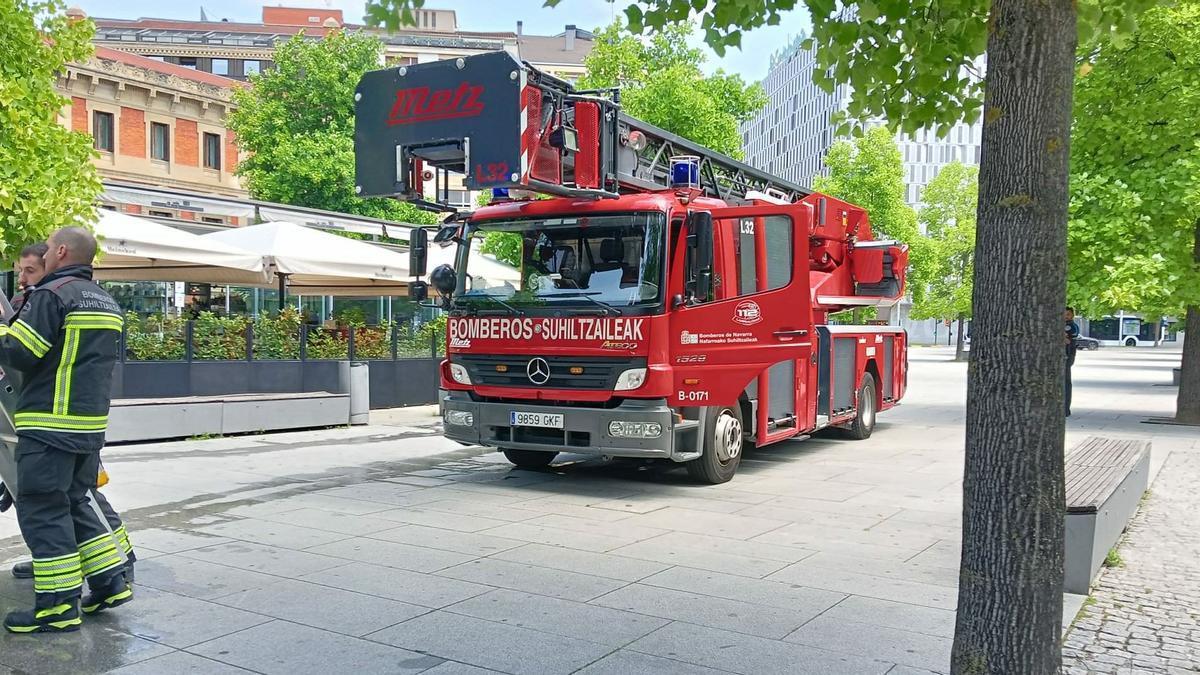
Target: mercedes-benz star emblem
x=538, y=371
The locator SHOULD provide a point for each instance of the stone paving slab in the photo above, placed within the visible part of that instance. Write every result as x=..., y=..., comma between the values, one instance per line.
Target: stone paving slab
x=288, y=648
x=493, y=645
x=554, y=583
x=394, y=550
x=560, y=617
x=572, y=560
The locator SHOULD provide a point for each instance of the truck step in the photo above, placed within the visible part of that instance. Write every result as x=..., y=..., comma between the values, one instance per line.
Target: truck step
x=687, y=425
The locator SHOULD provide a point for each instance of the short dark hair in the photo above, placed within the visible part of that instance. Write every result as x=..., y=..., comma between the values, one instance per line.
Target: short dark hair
x=39, y=249
x=81, y=245
x=1071, y=309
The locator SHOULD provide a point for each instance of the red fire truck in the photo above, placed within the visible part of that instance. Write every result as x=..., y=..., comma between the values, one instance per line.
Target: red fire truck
x=669, y=303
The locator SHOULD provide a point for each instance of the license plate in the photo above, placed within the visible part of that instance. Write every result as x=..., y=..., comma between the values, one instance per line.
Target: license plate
x=535, y=419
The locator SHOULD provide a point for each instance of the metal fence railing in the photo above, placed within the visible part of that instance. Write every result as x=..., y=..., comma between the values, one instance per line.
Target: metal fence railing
x=211, y=338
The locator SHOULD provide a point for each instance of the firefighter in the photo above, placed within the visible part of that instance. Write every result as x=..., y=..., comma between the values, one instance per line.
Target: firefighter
x=64, y=341
x=31, y=267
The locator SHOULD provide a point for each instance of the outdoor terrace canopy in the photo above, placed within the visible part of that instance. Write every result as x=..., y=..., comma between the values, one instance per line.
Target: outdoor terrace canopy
x=319, y=263
x=137, y=249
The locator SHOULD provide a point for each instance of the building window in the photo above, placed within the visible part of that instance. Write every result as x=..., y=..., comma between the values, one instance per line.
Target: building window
x=220, y=66
x=102, y=131
x=160, y=141
x=160, y=214
x=188, y=62
x=212, y=151
x=252, y=67
x=214, y=220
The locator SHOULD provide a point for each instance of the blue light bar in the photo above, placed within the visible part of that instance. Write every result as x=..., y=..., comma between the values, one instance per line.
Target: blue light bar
x=499, y=193
x=685, y=171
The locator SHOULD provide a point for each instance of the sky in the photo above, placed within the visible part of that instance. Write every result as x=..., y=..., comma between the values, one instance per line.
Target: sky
x=477, y=15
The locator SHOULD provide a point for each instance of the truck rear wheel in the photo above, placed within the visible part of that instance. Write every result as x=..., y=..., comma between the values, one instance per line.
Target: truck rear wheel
x=529, y=459
x=721, y=451
x=862, y=426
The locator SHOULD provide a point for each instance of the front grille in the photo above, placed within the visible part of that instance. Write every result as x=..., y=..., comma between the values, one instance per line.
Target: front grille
x=599, y=372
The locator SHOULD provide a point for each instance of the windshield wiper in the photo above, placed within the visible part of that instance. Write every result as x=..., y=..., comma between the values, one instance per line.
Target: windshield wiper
x=587, y=296
x=476, y=310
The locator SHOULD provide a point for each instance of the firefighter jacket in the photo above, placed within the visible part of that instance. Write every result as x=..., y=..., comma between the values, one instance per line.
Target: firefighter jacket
x=64, y=341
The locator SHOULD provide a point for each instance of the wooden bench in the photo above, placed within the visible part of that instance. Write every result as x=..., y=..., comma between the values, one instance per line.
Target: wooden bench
x=1105, y=480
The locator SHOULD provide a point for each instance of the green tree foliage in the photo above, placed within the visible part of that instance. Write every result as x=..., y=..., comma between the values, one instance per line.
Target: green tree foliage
x=948, y=215
x=868, y=173
x=47, y=179
x=661, y=83
x=1134, y=232
x=1135, y=183
x=297, y=124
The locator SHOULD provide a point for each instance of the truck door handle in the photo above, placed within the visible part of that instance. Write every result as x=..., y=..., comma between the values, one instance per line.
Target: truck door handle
x=790, y=333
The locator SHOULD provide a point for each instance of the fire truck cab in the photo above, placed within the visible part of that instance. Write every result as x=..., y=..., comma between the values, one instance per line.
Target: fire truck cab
x=666, y=302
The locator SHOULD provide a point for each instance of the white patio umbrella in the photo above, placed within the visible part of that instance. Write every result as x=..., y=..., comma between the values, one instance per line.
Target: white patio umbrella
x=319, y=263
x=137, y=249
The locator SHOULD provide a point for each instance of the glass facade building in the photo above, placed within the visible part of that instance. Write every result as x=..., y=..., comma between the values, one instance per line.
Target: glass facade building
x=792, y=134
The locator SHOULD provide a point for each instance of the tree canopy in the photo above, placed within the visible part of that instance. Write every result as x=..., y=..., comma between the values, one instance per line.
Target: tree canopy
x=47, y=179
x=948, y=216
x=297, y=125
x=662, y=83
x=1135, y=183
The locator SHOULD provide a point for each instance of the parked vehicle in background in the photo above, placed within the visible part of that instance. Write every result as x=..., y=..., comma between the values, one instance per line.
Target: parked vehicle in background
x=1130, y=330
x=1087, y=343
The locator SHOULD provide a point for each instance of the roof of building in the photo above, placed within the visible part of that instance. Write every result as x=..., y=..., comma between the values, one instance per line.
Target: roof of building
x=188, y=26
x=155, y=65
x=553, y=48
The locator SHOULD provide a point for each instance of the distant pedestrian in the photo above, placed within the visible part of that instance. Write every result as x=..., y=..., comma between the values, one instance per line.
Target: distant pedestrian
x=1072, y=333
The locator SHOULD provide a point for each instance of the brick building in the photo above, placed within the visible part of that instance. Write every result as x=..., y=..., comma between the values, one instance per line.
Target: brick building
x=154, y=123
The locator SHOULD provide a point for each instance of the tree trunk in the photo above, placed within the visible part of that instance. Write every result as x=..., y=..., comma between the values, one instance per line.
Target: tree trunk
x=1010, y=583
x=958, y=346
x=1187, y=406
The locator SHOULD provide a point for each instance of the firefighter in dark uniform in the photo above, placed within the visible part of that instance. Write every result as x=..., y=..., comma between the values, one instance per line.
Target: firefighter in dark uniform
x=31, y=270
x=65, y=342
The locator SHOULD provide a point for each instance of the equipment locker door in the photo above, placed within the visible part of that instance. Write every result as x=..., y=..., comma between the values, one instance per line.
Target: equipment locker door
x=756, y=332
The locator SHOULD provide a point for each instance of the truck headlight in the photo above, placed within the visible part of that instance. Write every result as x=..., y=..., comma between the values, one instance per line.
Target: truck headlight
x=631, y=379
x=458, y=373
x=460, y=418
x=623, y=429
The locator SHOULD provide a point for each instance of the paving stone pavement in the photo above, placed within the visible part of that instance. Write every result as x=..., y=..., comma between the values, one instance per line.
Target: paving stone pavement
x=389, y=549
x=1144, y=616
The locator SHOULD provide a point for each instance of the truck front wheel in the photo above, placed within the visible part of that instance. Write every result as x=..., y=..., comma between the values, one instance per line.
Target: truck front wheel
x=722, y=448
x=529, y=459
x=862, y=426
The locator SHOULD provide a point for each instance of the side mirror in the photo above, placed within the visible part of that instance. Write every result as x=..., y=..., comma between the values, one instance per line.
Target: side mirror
x=700, y=243
x=446, y=233
x=418, y=291
x=418, y=251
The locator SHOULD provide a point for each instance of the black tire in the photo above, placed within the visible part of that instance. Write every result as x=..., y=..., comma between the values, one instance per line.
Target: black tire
x=1130, y=342
x=529, y=459
x=864, y=423
x=721, y=450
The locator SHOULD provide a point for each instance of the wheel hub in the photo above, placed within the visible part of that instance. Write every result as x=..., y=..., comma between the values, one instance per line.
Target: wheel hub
x=727, y=437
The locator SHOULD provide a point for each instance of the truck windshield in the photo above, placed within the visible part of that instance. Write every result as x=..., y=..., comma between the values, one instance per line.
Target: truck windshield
x=607, y=261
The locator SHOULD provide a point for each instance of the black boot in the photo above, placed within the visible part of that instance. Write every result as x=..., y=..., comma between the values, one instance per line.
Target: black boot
x=113, y=594
x=58, y=619
x=23, y=570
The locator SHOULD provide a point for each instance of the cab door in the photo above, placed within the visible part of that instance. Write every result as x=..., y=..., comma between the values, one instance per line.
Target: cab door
x=753, y=331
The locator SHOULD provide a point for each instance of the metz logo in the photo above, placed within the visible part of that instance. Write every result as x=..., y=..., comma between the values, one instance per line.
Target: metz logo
x=419, y=104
